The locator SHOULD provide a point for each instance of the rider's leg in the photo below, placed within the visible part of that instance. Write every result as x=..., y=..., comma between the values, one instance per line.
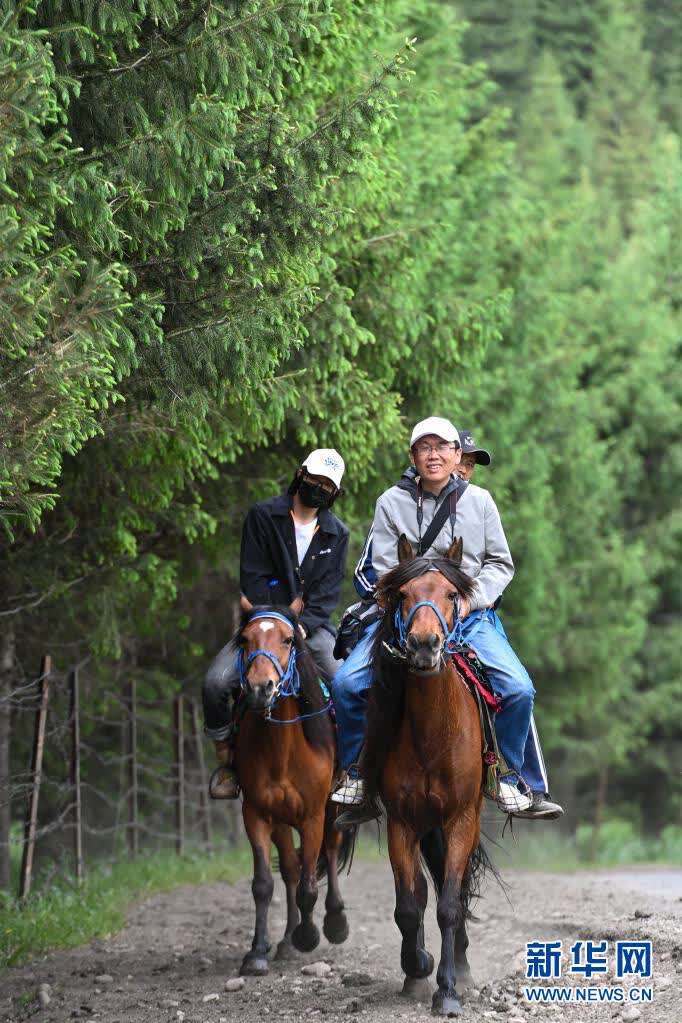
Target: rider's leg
x=509, y=679
x=220, y=685
x=350, y=689
x=534, y=770
x=535, y=773
x=514, y=725
x=321, y=646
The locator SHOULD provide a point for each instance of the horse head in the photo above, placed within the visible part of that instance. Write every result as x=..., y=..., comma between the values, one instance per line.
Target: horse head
x=268, y=643
x=424, y=596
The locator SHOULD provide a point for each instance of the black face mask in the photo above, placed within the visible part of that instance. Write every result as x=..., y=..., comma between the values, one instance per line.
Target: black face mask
x=312, y=495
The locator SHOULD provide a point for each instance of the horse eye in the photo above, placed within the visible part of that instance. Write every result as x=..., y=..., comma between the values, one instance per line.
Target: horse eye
x=452, y=597
x=289, y=641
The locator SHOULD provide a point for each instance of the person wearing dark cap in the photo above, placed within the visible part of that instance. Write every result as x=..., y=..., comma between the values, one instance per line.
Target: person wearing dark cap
x=472, y=456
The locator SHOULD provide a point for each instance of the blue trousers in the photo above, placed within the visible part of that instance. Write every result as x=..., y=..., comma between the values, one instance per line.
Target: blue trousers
x=516, y=732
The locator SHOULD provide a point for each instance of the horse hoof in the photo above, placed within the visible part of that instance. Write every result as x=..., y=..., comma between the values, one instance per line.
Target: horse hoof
x=416, y=988
x=335, y=927
x=417, y=964
x=254, y=966
x=444, y=1004
x=305, y=937
x=285, y=950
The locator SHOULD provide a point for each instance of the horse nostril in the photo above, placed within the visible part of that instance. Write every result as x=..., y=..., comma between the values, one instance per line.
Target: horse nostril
x=430, y=642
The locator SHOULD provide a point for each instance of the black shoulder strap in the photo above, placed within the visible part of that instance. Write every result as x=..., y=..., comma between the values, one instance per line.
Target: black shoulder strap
x=447, y=508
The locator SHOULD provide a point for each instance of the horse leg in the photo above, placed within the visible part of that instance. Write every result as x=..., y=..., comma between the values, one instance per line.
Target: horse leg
x=290, y=867
x=462, y=968
x=411, y=894
x=306, y=936
x=335, y=924
x=259, y=833
x=450, y=912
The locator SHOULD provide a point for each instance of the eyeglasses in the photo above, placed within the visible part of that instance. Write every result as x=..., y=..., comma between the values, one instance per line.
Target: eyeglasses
x=441, y=448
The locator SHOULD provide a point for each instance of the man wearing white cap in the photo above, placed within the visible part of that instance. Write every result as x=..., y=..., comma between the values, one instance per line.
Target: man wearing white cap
x=409, y=508
x=292, y=545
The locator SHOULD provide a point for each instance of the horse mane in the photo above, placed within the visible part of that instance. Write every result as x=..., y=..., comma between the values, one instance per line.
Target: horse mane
x=318, y=730
x=387, y=696
x=390, y=583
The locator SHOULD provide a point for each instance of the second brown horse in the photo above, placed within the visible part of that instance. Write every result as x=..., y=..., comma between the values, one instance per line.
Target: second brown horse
x=423, y=758
x=285, y=757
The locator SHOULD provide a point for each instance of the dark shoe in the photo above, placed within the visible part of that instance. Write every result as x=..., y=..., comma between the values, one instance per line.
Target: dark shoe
x=360, y=813
x=541, y=809
x=223, y=783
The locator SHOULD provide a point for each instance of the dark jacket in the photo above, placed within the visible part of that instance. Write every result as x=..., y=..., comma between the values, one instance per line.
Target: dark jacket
x=270, y=573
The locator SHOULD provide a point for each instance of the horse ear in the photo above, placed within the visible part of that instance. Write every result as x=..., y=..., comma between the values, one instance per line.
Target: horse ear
x=405, y=551
x=245, y=603
x=296, y=605
x=455, y=551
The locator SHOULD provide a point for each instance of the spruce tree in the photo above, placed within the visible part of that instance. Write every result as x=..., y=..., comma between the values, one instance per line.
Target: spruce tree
x=622, y=113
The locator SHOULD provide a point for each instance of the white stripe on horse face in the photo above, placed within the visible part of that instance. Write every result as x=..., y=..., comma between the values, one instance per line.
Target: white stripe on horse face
x=265, y=626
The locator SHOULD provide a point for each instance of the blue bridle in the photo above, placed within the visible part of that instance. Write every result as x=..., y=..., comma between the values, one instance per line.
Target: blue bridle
x=289, y=680
x=453, y=636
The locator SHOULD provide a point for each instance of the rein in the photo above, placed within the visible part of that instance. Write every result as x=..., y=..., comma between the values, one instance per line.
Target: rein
x=288, y=681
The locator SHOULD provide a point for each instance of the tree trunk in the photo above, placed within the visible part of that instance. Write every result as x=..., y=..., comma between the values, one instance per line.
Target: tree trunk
x=7, y=663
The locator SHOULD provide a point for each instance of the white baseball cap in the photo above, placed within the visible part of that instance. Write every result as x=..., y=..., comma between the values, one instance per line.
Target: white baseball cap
x=326, y=462
x=437, y=426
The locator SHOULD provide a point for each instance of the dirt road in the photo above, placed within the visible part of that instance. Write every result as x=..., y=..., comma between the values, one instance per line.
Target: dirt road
x=177, y=951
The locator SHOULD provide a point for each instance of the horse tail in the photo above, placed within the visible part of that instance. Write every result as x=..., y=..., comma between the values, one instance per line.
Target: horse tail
x=345, y=852
x=432, y=847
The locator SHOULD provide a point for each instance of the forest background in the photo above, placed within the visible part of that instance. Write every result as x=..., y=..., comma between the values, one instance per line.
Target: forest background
x=231, y=232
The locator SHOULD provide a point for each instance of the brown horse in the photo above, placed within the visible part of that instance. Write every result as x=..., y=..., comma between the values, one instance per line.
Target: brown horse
x=423, y=757
x=285, y=756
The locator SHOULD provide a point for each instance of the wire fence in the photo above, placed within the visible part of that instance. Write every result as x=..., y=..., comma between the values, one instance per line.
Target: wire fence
x=96, y=771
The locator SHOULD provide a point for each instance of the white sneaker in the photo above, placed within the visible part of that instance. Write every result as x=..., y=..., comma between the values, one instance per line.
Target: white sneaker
x=350, y=791
x=510, y=799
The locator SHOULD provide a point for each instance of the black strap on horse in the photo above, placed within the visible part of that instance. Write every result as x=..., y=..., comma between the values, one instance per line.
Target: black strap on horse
x=447, y=508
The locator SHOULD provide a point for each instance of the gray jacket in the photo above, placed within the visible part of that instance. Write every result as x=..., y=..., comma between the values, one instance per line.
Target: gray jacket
x=486, y=556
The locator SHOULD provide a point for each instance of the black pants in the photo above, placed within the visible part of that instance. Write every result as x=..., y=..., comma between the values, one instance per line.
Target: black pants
x=222, y=680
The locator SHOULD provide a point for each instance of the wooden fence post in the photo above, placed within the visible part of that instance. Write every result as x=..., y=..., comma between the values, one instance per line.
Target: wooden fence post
x=74, y=718
x=179, y=763
x=204, y=806
x=36, y=774
x=7, y=678
x=132, y=830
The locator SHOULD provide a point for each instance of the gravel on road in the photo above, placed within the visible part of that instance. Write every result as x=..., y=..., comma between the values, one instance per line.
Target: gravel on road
x=177, y=959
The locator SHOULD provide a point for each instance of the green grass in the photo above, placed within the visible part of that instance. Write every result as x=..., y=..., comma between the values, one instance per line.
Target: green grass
x=537, y=846
x=65, y=915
